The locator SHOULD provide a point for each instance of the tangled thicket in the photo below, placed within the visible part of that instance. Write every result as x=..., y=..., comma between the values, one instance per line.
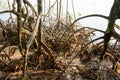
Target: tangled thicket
x=67, y=49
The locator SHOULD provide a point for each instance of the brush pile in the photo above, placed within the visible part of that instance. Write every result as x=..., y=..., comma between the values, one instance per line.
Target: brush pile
x=64, y=43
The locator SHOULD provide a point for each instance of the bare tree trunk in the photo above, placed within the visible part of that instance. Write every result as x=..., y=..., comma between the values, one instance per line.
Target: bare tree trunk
x=19, y=24
x=39, y=29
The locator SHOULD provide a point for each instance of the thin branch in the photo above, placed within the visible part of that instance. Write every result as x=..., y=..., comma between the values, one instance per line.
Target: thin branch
x=51, y=6
x=14, y=5
x=9, y=8
x=60, y=10
x=73, y=9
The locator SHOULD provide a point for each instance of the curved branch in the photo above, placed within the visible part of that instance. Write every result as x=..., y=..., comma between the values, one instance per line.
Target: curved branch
x=86, y=28
x=116, y=35
x=15, y=13
x=30, y=5
x=92, y=15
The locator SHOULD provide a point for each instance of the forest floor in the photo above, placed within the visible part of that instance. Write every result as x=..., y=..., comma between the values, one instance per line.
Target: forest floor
x=11, y=69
